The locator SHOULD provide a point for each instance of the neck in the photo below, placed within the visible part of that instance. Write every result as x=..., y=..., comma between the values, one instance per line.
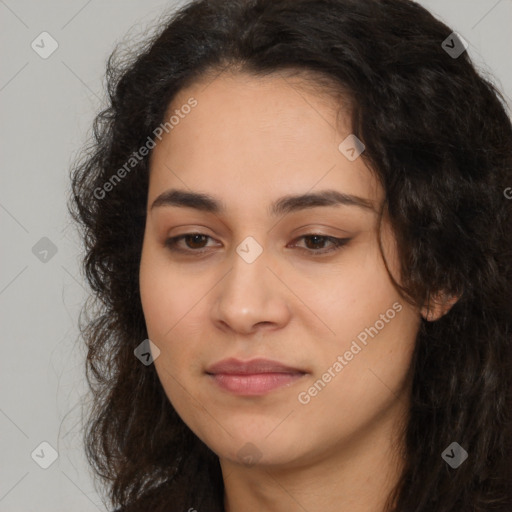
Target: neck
x=357, y=475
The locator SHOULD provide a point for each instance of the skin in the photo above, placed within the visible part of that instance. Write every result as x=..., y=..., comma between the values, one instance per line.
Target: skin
x=248, y=142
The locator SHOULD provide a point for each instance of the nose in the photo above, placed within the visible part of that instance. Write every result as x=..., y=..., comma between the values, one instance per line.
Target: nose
x=250, y=298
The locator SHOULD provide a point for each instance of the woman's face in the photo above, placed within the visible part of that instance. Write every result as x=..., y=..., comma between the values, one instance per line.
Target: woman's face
x=257, y=284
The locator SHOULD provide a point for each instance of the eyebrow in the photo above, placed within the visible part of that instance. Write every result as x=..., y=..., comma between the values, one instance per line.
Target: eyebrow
x=284, y=205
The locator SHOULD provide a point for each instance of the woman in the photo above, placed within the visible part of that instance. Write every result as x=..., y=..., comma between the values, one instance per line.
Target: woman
x=297, y=232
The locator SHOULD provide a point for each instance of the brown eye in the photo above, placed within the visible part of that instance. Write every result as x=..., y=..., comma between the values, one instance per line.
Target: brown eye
x=194, y=242
x=315, y=243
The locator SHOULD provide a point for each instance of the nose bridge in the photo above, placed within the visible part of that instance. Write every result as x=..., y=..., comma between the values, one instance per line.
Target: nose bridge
x=246, y=295
x=247, y=279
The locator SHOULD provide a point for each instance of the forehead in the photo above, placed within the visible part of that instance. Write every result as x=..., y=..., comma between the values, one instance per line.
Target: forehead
x=258, y=137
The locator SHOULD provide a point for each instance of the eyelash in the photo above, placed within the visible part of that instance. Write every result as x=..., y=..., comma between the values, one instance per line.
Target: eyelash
x=337, y=243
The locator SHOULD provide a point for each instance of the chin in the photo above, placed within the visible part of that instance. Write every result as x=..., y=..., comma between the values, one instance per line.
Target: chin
x=246, y=448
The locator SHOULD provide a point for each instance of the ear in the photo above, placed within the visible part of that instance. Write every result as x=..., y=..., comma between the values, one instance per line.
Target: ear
x=437, y=306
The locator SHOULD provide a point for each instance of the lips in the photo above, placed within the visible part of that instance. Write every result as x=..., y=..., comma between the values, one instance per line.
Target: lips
x=254, y=377
x=252, y=367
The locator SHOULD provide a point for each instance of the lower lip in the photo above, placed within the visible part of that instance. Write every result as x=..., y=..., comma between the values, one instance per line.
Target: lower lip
x=254, y=384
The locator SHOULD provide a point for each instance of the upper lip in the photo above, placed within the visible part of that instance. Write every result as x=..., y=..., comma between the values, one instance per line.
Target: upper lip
x=259, y=365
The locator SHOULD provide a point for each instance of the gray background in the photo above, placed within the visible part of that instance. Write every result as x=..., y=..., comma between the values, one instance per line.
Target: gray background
x=46, y=110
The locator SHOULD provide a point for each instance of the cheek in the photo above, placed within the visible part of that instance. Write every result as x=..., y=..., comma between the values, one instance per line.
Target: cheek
x=163, y=308
x=165, y=296
x=368, y=387
x=170, y=302
x=375, y=327
x=349, y=296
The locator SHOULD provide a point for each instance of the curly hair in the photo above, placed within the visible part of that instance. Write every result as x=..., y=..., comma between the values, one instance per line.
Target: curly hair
x=439, y=140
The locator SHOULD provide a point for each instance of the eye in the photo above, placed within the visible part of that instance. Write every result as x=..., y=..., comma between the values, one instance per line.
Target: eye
x=193, y=240
x=196, y=243
x=313, y=240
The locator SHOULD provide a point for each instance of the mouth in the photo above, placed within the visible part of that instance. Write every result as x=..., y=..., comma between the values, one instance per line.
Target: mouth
x=254, y=377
